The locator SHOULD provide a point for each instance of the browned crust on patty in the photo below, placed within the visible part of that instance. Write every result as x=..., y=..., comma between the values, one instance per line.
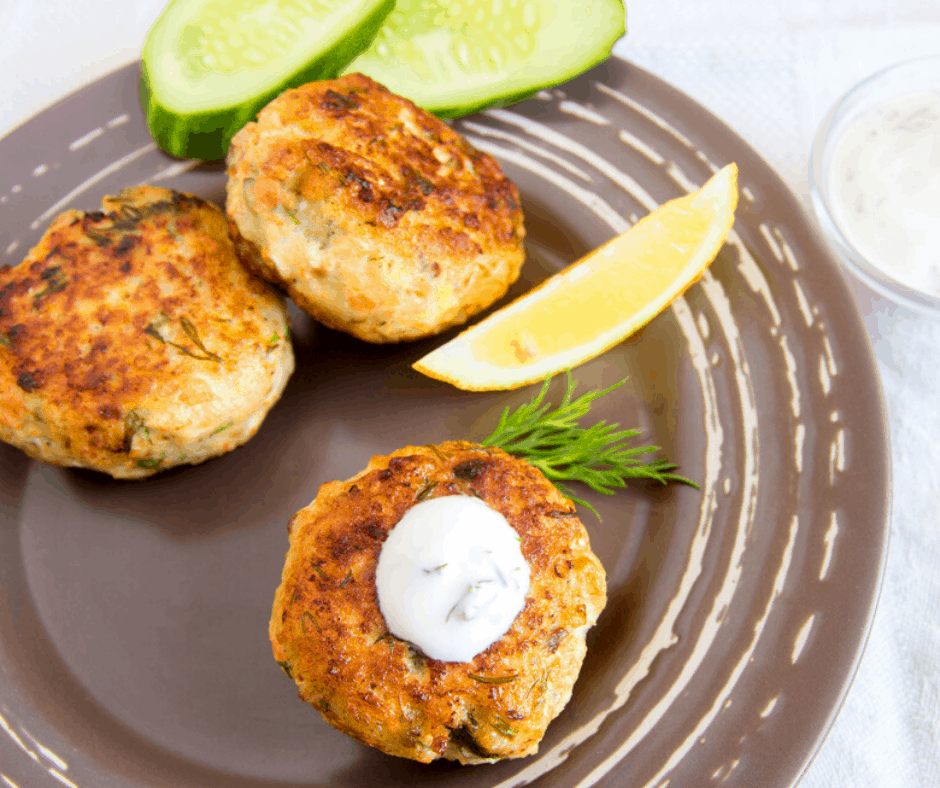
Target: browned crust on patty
x=377, y=217
x=329, y=634
x=118, y=328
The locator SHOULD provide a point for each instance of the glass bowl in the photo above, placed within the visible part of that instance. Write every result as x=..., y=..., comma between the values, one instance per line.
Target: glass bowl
x=876, y=187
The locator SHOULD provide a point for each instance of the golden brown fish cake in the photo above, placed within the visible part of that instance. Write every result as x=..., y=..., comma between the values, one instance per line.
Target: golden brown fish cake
x=375, y=216
x=132, y=339
x=329, y=634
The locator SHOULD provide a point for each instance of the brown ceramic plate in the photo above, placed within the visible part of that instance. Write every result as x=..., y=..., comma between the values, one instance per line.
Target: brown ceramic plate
x=133, y=644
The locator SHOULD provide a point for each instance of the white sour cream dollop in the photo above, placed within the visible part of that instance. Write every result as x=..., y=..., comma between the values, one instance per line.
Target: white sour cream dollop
x=451, y=577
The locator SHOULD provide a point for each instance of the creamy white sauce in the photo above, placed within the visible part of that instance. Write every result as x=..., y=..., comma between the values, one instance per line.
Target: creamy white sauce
x=451, y=577
x=885, y=188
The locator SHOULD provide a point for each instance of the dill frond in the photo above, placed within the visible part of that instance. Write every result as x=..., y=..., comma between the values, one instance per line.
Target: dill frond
x=553, y=440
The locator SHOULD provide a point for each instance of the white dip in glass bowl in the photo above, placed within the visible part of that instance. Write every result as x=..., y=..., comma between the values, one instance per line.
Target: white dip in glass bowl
x=875, y=182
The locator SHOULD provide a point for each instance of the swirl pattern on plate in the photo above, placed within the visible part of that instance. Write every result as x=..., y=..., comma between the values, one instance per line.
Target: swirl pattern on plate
x=737, y=612
x=527, y=134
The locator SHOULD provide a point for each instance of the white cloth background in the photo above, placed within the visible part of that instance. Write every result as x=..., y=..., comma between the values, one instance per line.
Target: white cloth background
x=770, y=69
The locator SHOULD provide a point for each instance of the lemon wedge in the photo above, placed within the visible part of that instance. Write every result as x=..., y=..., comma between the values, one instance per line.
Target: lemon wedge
x=596, y=302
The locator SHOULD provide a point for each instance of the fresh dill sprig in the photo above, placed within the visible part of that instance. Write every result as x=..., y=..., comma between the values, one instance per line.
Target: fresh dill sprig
x=554, y=442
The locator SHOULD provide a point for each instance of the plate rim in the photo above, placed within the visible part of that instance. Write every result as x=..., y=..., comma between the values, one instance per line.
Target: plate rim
x=834, y=267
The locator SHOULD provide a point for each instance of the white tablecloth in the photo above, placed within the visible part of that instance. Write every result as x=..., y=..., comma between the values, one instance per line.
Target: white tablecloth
x=770, y=69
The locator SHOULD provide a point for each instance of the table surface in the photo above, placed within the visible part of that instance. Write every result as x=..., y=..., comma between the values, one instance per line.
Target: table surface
x=771, y=69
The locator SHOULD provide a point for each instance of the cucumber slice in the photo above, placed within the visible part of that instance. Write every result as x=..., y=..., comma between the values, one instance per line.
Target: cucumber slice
x=454, y=57
x=210, y=65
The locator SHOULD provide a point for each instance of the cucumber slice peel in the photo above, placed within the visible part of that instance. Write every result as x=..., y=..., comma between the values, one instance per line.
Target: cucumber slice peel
x=455, y=57
x=208, y=66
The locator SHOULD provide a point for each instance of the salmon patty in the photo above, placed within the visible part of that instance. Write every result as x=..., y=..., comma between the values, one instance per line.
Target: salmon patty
x=329, y=635
x=376, y=217
x=132, y=339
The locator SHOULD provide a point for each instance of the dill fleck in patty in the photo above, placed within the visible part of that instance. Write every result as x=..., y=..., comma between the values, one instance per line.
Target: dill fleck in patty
x=132, y=339
x=377, y=218
x=329, y=635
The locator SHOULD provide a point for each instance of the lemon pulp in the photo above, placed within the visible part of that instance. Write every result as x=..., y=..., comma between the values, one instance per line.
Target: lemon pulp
x=596, y=302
